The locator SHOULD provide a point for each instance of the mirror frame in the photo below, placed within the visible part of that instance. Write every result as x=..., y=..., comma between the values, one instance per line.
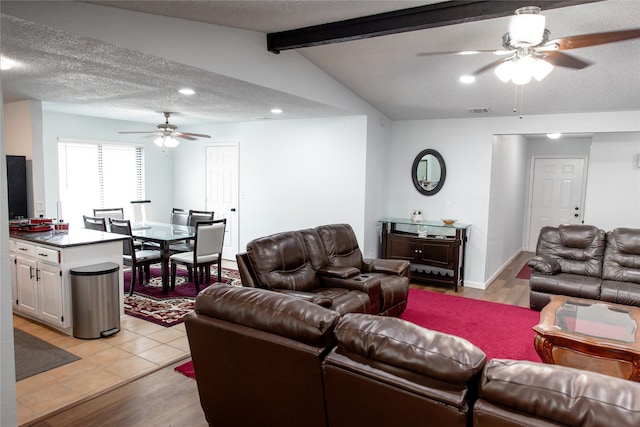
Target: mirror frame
x=414, y=172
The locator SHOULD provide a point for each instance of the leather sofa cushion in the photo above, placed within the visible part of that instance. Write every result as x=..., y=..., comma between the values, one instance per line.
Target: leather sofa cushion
x=626, y=293
x=268, y=311
x=281, y=261
x=544, y=264
x=340, y=245
x=400, y=343
x=622, y=256
x=579, y=249
x=564, y=395
x=573, y=285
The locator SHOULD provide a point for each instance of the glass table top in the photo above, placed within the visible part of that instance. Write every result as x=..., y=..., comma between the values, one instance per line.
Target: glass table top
x=597, y=320
x=162, y=231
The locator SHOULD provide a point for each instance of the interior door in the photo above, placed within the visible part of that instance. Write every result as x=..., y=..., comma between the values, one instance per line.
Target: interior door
x=556, y=195
x=222, y=191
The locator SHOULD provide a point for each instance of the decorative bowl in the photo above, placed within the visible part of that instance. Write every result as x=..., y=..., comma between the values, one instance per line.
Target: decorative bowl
x=449, y=221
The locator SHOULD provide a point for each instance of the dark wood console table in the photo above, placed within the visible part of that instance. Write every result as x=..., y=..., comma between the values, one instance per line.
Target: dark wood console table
x=435, y=250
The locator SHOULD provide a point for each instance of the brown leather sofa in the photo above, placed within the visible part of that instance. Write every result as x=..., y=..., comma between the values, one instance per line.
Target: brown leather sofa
x=520, y=393
x=585, y=262
x=264, y=358
x=325, y=265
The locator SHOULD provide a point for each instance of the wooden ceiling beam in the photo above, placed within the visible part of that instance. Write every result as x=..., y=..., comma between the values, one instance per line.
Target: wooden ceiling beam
x=399, y=21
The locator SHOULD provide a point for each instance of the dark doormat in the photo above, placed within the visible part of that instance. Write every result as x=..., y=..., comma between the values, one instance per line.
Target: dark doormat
x=34, y=356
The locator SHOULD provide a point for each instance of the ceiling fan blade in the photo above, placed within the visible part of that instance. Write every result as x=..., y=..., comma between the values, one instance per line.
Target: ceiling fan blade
x=585, y=40
x=179, y=135
x=151, y=131
x=490, y=66
x=564, y=60
x=457, y=52
x=199, y=135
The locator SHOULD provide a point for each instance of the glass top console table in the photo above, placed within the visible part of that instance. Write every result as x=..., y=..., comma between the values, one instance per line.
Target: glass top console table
x=435, y=250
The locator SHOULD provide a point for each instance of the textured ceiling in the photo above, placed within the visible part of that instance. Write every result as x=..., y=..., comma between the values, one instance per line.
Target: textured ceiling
x=85, y=76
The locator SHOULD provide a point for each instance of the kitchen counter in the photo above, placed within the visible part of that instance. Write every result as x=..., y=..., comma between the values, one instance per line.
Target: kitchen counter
x=72, y=237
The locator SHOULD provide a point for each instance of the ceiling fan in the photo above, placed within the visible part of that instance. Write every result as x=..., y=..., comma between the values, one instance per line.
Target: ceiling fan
x=528, y=52
x=167, y=134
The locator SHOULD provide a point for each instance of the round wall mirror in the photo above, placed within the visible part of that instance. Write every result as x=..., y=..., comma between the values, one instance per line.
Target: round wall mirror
x=428, y=172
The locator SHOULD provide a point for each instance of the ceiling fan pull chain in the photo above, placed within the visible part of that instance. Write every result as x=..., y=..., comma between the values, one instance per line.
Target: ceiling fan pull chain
x=515, y=99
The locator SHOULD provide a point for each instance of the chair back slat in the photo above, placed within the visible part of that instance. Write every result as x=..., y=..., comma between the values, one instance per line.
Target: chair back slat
x=95, y=223
x=195, y=216
x=123, y=226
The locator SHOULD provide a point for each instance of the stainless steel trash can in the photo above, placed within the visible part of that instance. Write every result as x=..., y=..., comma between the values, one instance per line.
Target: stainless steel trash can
x=95, y=298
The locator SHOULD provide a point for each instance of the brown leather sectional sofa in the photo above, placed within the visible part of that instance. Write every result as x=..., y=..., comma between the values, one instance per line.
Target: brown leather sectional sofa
x=325, y=265
x=265, y=358
x=585, y=262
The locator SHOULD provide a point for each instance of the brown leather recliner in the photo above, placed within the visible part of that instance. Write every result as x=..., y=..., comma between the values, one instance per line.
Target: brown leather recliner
x=519, y=393
x=257, y=357
x=342, y=250
x=389, y=372
x=568, y=262
x=281, y=262
x=621, y=267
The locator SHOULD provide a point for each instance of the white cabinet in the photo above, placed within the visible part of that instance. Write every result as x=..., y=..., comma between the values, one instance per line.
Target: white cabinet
x=39, y=286
x=40, y=271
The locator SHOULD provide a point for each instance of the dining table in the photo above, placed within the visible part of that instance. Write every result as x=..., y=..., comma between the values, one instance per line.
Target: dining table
x=164, y=234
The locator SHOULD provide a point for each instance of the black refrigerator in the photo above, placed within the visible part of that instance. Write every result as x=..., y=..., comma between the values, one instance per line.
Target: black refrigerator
x=17, y=186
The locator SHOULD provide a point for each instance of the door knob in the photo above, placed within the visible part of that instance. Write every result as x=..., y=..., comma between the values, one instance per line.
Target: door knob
x=233, y=209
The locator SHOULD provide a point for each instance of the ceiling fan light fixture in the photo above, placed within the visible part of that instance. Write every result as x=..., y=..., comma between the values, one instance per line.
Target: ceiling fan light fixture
x=541, y=69
x=505, y=70
x=523, y=70
x=171, y=142
x=467, y=79
x=159, y=141
x=527, y=26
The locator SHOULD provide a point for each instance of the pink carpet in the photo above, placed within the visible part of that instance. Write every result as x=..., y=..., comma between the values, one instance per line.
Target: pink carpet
x=500, y=330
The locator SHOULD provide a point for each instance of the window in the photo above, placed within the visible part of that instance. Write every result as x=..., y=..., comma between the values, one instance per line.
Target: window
x=98, y=175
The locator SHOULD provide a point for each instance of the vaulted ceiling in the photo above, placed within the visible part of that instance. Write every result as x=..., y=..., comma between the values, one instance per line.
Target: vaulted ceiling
x=79, y=75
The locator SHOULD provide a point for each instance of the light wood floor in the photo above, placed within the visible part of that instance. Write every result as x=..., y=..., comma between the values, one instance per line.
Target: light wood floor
x=167, y=398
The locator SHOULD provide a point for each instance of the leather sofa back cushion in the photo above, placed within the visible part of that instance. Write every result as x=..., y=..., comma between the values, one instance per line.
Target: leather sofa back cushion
x=579, y=249
x=622, y=255
x=400, y=343
x=341, y=245
x=564, y=395
x=281, y=261
x=268, y=311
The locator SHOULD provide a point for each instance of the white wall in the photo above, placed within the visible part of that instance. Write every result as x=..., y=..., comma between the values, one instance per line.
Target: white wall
x=293, y=173
x=613, y=185
x=466, y=145
x=507, y=199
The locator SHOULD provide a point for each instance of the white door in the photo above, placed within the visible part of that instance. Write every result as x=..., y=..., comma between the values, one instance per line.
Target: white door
x=50, y=294
x=556, y=196
x=221, y=186
x=26, y=284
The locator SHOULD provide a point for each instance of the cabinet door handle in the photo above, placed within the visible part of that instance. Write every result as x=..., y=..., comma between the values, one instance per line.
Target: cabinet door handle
x=37, y=274
x=22, y=249
x=30, y=272
x=43, y=255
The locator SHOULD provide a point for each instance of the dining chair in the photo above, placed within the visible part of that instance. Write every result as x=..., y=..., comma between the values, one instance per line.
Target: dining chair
x=138, y=260
x=141, y=211
x=95, y=223
x=192, y=220
x=179, y=217
x=116, y=213
x=207, y=250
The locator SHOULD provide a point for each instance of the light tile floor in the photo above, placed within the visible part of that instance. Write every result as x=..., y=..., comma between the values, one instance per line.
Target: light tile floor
x=138, y=349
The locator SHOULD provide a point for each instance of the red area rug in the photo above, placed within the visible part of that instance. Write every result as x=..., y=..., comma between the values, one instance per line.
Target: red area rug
x=500, y=330
x=148, y=302
x=524, y=273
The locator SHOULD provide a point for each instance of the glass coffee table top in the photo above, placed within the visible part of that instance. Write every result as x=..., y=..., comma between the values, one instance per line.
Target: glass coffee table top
x=596, y=319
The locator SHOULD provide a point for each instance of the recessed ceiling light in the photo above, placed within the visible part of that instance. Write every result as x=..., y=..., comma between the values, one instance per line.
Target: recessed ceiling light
x=276, y=110
x=187, y=91
x=467, y=79
x=554, y=135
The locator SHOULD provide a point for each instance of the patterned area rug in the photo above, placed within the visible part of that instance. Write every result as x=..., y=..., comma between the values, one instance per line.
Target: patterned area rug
x=148, y=302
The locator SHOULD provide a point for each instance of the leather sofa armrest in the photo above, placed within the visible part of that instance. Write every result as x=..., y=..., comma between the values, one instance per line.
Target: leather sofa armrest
x=369, y=286
x=322, y=301
x=388, y=266
x=337, y=271
x=544, y=264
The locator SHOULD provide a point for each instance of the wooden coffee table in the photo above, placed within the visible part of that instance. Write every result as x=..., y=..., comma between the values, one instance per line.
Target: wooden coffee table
x=592, y=335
